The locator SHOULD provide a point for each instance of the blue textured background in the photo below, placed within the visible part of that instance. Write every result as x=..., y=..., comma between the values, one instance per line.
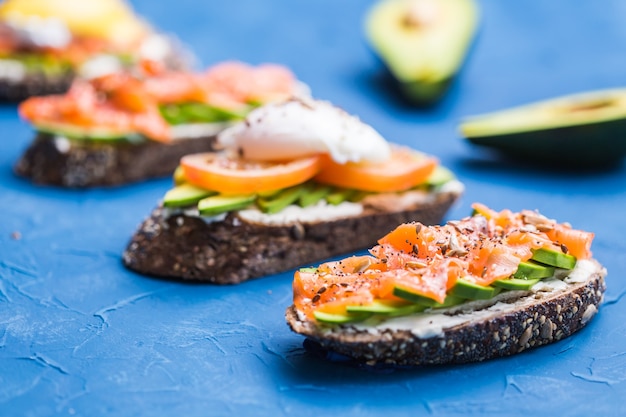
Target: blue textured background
x=80, y=335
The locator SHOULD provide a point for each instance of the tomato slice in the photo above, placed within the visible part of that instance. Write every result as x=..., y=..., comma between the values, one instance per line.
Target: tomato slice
x=230, y=175
x=404, y=170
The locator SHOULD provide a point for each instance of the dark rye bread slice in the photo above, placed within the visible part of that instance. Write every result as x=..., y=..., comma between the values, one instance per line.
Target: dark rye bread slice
x=79, y=164
x=523, y=321
x=39, y=83
x=34, y=84
x=234, y=250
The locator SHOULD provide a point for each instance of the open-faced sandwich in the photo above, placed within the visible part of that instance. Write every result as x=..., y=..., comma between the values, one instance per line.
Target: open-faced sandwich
x=45, y=44
x=133, y=125
x=490, y=285
x=297, y=182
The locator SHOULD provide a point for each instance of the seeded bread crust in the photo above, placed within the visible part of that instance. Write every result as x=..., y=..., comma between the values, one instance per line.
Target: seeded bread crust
x=90, y=164
x=546, y=319
x=34, y=84
x=38, y=83
x=234, y=250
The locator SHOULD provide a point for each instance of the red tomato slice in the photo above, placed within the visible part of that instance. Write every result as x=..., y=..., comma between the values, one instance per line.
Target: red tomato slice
x=229, y=175
x=404, y=170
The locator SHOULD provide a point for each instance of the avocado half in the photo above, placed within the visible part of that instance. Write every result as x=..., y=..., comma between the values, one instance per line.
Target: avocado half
x=587, y=129
x=422, y=42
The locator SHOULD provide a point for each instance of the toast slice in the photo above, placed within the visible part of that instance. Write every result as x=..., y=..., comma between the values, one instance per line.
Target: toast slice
x=239, y=247
x=505, y=325
x=33, y=84
x=489, y=285
x=134, y=125
x=54, y=160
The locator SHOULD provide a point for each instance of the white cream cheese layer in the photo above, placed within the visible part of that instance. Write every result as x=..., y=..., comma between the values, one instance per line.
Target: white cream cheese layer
x=432, y=323
x=12, y=70
x=302, y=127
x=323, y=211
x=319, y=212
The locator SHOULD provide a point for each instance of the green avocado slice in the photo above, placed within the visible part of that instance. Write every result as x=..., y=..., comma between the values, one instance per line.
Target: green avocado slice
x=413, y=296
x=218, y=204
x=195, y=112
x=340, y=318
x=554, y=258
x=388, y=307
x=515, y=284
x=85, y=133
x=582, y=129
x=533, y=270
x=422, y=42
x=313, y=196
x=472, y=291
x=185, y=195
x=282, y=199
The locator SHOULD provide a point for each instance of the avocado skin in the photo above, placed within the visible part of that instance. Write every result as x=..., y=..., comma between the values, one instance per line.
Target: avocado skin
x=425, y=94
x=591, y=145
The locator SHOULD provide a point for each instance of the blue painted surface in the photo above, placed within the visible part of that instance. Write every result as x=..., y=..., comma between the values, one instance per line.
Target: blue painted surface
x=80, y=335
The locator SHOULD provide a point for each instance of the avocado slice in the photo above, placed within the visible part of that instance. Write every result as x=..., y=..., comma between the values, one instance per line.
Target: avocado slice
x=515, y=284
x=583, y=130
x=451, y=300
x=279, y=201
x=472, y=291
x=185, y=195
x=192, y=112
x=422, y=42
x=86, y=133
x=179, y=176
x=337, y=318
x=533, y=270
x=414, y=297
x=387, y=307
x=440, y=176
x=314, y=195
x=554, y=258
x=218, y=204
x=340, y=195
